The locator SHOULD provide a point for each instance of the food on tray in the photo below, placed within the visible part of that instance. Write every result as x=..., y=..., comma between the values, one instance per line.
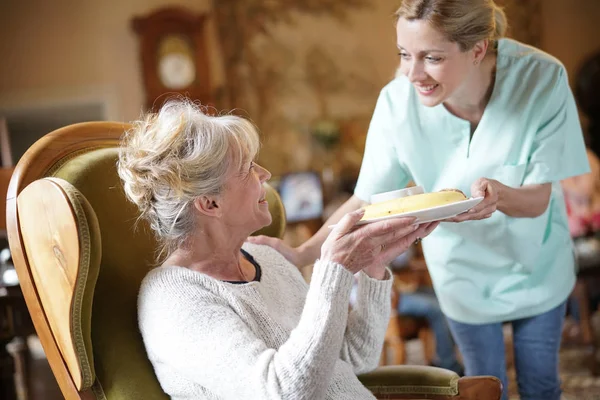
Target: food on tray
x=453, y=190
x=413, y=203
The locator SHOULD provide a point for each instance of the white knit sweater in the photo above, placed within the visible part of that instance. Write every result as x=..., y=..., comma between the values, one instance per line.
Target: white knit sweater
x=278, y=338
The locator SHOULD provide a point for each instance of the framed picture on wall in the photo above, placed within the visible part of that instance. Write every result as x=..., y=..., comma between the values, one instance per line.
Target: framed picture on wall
x=302, y=196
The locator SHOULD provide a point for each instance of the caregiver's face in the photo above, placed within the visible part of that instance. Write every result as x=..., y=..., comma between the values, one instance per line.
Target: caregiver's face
x=436, y=67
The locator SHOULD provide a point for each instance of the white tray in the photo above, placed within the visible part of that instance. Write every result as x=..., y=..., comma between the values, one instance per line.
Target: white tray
x=432, y=214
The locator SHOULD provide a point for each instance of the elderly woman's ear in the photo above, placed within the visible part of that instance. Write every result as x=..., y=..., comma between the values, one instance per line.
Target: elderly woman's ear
x=208, y=206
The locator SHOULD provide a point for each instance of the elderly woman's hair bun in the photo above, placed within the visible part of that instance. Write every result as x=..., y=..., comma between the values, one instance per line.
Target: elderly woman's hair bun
x=168, y=159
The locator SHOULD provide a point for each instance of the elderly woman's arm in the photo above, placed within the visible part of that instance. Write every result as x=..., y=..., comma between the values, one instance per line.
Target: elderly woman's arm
x=369, y=318
x=205, y=340
x=367, y=323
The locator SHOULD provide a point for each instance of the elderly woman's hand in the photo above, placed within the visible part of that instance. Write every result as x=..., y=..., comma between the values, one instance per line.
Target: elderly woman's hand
x=488, y=189
x=371, y=245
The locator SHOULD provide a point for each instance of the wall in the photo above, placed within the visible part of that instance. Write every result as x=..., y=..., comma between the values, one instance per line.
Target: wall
x=84, y=51
x=70, y=50
x=571, y=33
x=571, y=30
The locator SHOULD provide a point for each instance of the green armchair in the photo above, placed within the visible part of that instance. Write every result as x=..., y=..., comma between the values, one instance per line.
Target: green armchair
x=80, y=258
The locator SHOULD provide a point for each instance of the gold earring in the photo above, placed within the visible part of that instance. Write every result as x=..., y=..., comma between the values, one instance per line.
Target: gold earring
x=475, y=62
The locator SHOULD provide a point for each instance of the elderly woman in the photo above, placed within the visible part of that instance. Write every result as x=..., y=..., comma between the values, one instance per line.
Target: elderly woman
x=224, y=319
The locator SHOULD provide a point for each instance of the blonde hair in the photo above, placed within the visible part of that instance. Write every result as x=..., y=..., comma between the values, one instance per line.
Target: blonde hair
x=170, y=158
x=461, y=21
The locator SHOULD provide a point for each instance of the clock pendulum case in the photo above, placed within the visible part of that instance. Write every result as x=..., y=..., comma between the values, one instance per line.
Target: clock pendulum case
x=174, y=58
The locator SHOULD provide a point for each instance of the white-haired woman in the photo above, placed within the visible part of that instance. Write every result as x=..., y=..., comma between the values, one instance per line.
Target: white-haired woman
x=225, y=319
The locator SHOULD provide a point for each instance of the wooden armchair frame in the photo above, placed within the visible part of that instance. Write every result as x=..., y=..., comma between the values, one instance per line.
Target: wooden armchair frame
x=36, y=163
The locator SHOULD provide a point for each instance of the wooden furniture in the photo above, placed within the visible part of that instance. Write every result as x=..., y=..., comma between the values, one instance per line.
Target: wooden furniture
x=174, y=55
x=15, y=326
x=80, y=262
x=116, y=366
x=588, y=277
x=15, y=323
x=400, y=330
x=5, y=175
x=6, y=170
x=6, y=157
x=403, y=328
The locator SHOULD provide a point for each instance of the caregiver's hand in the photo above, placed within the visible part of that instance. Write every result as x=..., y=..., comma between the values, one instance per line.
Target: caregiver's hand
x=292, y=254
x=488, y=189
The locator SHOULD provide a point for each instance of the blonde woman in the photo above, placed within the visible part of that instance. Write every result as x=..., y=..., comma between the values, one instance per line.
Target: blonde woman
x=496, y=118
x=222, y=319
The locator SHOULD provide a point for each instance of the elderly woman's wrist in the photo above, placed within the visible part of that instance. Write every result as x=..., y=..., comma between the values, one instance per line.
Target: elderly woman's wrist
x=376, y=272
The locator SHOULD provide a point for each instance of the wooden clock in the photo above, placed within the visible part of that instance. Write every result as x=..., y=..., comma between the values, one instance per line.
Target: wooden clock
x=173, y=56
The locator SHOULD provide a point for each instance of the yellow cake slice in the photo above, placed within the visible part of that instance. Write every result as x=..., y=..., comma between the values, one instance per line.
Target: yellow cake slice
x=413, y=203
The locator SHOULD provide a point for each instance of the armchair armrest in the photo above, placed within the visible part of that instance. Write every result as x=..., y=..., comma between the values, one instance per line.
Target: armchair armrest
x=421, y=382
x=411, y=379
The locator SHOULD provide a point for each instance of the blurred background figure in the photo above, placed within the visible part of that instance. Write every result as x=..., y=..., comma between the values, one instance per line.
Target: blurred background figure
x=582, y=197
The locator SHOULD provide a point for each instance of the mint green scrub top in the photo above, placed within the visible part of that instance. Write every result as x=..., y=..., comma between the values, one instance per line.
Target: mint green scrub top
x=500, y=268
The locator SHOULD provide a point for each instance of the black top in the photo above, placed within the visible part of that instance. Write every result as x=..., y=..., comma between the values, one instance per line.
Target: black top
x=249, y=257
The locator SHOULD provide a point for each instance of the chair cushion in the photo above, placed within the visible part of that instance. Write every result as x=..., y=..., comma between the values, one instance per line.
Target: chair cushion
x=123, y=370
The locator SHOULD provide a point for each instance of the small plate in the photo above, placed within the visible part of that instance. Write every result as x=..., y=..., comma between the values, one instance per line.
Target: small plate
x=432, y=214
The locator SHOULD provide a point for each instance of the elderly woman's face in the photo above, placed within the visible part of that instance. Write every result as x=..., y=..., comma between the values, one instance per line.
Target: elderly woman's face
x=435, y=66
x=245, y=206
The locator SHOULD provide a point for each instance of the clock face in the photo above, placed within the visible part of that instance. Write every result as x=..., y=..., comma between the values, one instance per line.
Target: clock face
x=176, y=71
x=176, y=67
